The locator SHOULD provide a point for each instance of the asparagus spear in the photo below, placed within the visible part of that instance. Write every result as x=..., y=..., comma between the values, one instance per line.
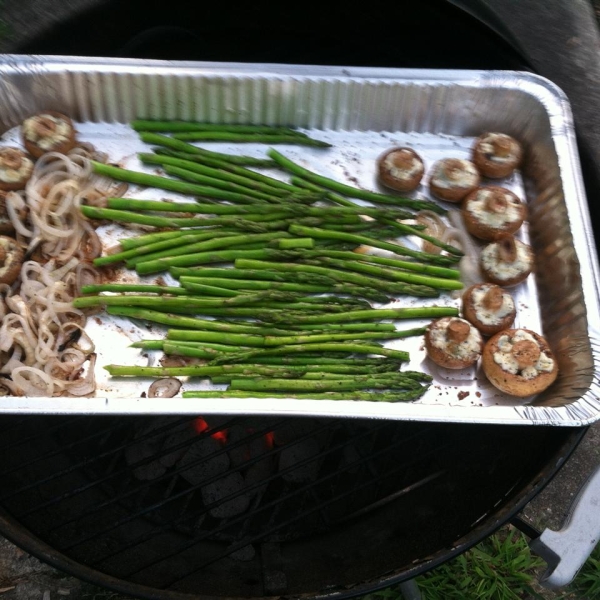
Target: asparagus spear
x=348, y=190
x=134, y=287
x=184, y=256
x=200, y=258
x=183, y=322
x=262, y=341
x=165, y=183
x=250, y=284
x=257, y=138
x=170, y=242
x=396, y=396
x=288, y=209
x=167, y=304
x=123, y=216
x=444, y=272
x=293, y=370
x=341, y=276
x=205, y=350
x=213, y=182
x=404, y=228
x=196, y=167
x=223, y=164
x=303, y=385
x=358, y=380
x=151, y=238
x=180, y=146
x=393, y=274
x=290, y=244
x=426, y=312
x=170, y=126
x=249, y=368
x=315, y=232
x=305, y=360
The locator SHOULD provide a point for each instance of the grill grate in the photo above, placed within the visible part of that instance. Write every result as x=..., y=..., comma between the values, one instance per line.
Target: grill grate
x=252, y=506
x=110, y=475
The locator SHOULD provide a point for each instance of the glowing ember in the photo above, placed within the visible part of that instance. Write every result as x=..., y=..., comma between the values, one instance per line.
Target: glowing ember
x=200, y=426
x=270, y=437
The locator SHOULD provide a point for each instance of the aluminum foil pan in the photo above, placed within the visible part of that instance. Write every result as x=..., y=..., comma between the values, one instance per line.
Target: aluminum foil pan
x=361, y=111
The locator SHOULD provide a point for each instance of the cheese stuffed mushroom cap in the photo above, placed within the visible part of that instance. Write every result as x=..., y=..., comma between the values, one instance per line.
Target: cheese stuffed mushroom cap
x=15, y=169
x=507, y=261
x=453, y=343
x=496, y=155
x=452, y=179
x=488, y=307
x=519, y=362
x=49, y=131
x=489, y=212
x=400, y=169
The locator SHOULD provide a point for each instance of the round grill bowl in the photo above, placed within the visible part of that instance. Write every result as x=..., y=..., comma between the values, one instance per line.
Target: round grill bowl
x=385, y=502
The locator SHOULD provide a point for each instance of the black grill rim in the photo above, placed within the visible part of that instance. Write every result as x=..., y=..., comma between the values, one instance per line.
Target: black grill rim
x=25, y=539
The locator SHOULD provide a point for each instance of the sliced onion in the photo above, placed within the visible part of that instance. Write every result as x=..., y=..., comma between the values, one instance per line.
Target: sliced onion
x=33, y=382
x=166, y=387
x=15, y=206
x=8, y=387
x=469, y=263
x=36, y=313
x=434, y=226
x=87, y=384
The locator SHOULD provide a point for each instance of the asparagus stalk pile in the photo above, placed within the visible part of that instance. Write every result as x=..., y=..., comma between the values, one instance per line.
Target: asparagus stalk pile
x=271, y=301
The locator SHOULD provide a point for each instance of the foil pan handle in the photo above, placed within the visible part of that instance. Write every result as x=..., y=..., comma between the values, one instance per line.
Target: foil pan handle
x=566, y=550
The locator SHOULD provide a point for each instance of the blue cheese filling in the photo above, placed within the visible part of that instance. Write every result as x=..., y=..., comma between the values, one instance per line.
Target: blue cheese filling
x=464, y=176
x=412, y=170
x=488, y=316
x=480, y=211
x=60, y=134
x=468, y=349
x=504, y=358
x=488, y=148
x=493, y=263
x=10, y=175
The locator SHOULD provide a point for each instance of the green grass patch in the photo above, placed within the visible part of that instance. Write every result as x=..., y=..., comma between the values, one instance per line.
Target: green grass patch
x=500, y=568
x=587, y=582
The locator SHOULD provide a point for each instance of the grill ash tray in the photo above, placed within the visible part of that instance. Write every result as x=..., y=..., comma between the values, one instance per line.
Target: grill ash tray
x=361, y=112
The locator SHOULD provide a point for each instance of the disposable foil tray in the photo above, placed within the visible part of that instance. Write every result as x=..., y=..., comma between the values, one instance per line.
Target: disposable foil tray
x=361, y=112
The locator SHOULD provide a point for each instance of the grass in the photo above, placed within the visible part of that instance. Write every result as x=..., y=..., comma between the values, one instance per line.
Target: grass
x=587, y=583
x=499, y=568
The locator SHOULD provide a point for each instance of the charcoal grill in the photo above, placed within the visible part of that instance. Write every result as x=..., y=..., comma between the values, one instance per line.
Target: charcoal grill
x=301, y=507
x=312, y=508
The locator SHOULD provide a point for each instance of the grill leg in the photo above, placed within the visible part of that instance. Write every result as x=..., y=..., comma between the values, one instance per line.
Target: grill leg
x=410, y=590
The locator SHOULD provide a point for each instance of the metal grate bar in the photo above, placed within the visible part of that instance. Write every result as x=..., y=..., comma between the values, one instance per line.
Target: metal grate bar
x=322, y=515
x=157, y=505
x=13, y=423
x=27, y=421
x=126, y=469
x=269, y=531
x=391, y=497
x=245, y=516
x=147, y=485
x=83, y=463
x=43, y=433
x=34, y=437
x=273, y=504
x=43, y=457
